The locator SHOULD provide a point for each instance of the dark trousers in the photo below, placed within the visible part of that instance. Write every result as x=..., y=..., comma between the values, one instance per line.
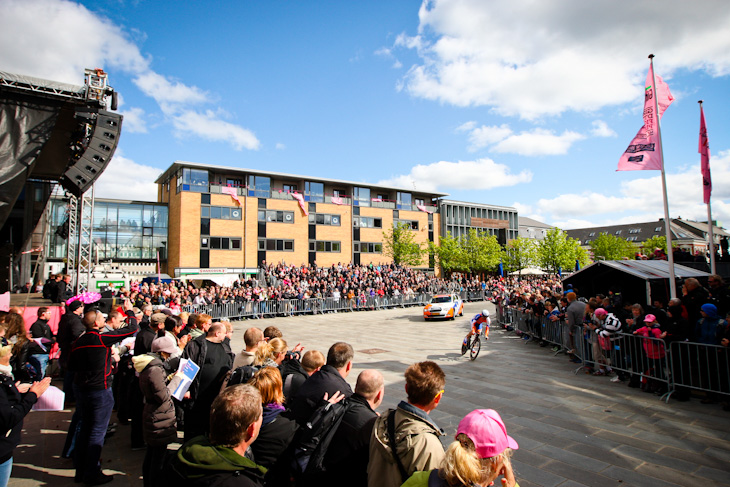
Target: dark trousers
x=153, y=465
x=96, y=409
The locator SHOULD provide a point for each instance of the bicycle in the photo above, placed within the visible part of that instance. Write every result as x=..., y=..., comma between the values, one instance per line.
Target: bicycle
x=474, y=345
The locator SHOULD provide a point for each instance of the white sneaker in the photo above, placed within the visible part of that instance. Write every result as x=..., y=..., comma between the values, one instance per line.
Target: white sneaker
x=616, y=379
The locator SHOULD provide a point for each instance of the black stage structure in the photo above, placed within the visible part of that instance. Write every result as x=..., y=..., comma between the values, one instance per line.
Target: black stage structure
x=638, y=281
x=50, y=133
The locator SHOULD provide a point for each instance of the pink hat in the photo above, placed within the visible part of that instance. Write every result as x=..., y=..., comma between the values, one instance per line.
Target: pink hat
x=486, y=429
x=649, y=319
x=601, y=312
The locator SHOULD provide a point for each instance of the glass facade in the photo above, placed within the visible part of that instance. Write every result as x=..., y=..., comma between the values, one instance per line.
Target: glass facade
x=121, y=230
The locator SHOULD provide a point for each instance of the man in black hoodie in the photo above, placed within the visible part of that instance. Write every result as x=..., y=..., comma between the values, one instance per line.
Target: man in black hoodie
x=41, y=331
x=329, y=379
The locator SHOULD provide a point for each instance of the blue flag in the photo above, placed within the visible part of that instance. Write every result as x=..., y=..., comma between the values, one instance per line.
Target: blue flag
x=501, y=269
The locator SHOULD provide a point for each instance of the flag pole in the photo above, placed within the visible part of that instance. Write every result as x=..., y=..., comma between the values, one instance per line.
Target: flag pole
x=710, y=226
x=667, y=222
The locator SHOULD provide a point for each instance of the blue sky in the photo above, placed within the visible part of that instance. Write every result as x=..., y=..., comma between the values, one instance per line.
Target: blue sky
x=516, y=103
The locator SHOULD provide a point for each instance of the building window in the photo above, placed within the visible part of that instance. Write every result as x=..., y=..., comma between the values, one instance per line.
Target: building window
x=368, y=247
x=276, y=244
x=234, y=182
x=195, y=180
x=658, y=229
x=361, y=196
x=339, y=193
x=289, y=188
x=618, y=232
x=634, y=230
x=412, y=224
x=367, y=222
x=313, y=192
x=592, y=234
x=259, y=186
x=419, y=202
x=324, y=246
x=221, y=212
x=324, y=219
x=276, y=216
x=403, y=200
x=221, y=243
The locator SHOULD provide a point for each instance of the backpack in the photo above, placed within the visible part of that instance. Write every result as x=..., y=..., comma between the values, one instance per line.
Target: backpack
x=239, y=375
x=316, y=436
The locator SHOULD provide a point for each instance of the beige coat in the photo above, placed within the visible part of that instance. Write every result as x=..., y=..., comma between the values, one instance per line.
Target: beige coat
x=417, y=444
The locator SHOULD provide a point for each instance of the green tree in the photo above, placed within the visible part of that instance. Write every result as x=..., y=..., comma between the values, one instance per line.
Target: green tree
x=399, y=243
x=481, y=252
x=519, y=253
x=448, y=253
x=557, y=251
x=611, y=247
x=657, y=242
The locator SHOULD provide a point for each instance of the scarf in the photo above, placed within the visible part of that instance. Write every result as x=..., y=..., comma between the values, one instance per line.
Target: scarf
x=6, y=370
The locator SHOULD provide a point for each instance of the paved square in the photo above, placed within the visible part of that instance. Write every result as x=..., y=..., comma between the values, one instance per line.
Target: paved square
x=573, y=430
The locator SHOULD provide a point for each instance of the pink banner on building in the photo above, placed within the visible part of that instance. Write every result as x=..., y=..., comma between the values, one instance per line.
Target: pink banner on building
x=423, y=208
x=300, y=199
x=336, y=200
x=233, y=192
x=644, y=152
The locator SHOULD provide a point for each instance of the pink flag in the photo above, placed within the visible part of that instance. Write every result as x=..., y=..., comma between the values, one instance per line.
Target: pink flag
x=644, y=152
x=336, y=200
x=300, y=199
x=377, y=200
x=423, y=208
x=704, y=150
x=231, y=191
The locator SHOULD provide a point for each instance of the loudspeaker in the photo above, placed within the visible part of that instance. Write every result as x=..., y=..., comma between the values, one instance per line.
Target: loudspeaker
x=80, y=175
x=105, y=305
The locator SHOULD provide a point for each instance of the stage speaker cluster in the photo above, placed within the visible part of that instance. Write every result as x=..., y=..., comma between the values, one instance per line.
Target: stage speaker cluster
x=82, y=173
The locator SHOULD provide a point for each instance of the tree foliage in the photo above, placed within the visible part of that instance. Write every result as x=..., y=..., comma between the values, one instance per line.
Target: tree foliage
x=657, y=242
x=557, y=252
x=473, y=252
x=519, y=254
x=399, y=243
x=611, y=247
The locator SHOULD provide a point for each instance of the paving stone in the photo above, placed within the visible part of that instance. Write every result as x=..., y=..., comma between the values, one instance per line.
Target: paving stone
x=722, y=477
x=572, y=458
x=631, y=477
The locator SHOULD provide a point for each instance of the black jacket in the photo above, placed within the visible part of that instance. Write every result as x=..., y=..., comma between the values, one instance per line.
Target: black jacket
x=196, y=350
x=144, y=339
x=69, y=329
x=293, y=376
x=41, y=329
x=13, y=408
x=91, y=357
x=348, y=454
x=277, y=432
x=327, y=379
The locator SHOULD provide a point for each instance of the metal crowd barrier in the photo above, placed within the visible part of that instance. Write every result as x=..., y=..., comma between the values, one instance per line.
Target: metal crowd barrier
x=648, y=361
x=291, y=307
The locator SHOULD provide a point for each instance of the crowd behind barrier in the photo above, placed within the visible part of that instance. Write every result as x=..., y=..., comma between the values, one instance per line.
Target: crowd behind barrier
x=656, y=366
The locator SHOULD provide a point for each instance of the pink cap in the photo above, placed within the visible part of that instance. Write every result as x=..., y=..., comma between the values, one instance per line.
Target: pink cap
x=601, y=312
x=649, y=319
x=486, y=429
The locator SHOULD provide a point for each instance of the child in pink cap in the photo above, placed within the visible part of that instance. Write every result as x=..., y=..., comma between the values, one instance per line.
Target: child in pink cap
x=480, y=454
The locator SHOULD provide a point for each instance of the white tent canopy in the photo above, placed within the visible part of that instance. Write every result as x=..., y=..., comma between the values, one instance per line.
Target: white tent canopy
x=528, y=271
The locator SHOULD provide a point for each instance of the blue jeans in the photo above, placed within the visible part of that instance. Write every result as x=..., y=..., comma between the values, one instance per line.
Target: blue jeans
x=39, y=361
x=96, y=410
x=5, y=469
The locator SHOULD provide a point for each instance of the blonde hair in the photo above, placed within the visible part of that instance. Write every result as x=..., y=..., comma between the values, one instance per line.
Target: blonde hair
x=269, y=350
x=462, y=465
x=5, y=350
x=268, y=382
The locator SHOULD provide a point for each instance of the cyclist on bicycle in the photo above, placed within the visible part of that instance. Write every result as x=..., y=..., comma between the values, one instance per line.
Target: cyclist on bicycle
x=482, y=321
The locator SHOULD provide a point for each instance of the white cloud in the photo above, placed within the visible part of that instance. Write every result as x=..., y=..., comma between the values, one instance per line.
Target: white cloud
x=442, y=175
x=565, y=55
x=280, y=146
x=58, y=39
x=601, y=129
x=134, y=121
x=641, y=199
x=208, y=126
x=538, y=142
x=483, y=136
x=125, y=179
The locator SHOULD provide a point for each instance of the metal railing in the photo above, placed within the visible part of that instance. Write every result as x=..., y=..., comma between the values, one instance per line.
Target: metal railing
x=291, y=307
x=648, y=362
